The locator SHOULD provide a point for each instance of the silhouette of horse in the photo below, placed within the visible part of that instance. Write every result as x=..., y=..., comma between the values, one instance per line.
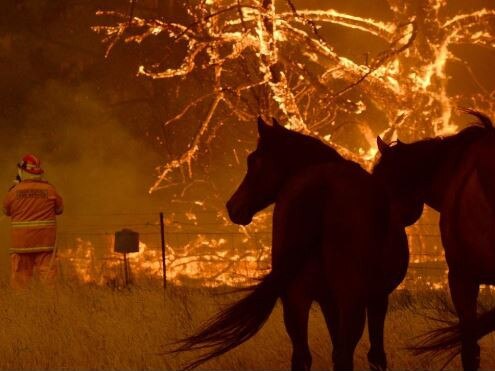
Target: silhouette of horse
x=454, y=175
x=334, y=242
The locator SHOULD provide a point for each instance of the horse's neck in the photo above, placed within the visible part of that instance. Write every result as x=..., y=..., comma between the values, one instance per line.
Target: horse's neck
x=435, y=194
x=325, y=153
x=447, y=159
x=318, y=155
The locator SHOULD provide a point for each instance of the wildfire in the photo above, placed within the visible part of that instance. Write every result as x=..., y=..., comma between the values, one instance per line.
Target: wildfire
x=209, y=262
x=199, y=257
x=294, y=63
x=271, y=58
x=204, y=260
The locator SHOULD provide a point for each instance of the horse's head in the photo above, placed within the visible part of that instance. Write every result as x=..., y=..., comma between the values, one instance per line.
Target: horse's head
x=398, y=169
x=267, y=170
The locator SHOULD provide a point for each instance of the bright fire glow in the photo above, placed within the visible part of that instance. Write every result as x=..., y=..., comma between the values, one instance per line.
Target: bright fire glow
x=295, y=74
x=214, y=259
x=201, y=261
x=230, y=36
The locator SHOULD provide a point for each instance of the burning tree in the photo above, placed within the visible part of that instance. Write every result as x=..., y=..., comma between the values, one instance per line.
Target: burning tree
x=276, y=59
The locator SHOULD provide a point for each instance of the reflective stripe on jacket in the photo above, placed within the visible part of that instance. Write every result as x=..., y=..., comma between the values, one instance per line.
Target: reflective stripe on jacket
x=34, y=224
x=33, y=206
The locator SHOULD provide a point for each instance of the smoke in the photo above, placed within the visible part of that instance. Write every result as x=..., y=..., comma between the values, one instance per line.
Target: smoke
x=90, y=156
x=95, y=163
x=55, y=103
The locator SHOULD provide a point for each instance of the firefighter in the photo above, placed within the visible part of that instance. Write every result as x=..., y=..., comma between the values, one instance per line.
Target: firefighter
x=32, y=204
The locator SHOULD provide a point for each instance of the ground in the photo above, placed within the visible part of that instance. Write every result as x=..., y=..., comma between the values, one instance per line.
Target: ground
x=75, y=326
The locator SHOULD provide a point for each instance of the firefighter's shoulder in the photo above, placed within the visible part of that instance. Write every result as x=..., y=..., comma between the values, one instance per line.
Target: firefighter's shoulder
x=15, y=185
x=50, y=187
x=48, y=184
x=42, y=183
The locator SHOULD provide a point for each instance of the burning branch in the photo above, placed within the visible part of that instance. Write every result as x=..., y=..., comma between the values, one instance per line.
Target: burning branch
x=188, y=156
x=260, y=59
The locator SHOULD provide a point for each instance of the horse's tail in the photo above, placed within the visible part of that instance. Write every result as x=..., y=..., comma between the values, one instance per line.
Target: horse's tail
x=483, y=119
x=242, y=320
x=446, y=341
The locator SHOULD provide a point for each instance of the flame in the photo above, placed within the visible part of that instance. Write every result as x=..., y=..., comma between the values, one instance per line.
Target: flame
x=210, y=262
x=203, y=260
x=213, y=259
x=301, y=76
x=410, y=73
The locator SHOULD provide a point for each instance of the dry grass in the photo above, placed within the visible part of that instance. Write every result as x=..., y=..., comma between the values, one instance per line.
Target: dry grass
x=73, y=326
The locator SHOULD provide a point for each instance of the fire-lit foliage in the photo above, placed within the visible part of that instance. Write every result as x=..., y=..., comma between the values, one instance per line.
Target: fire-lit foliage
x=402, y=72
x=276, y=58
x=199, y=261
x=233, y=60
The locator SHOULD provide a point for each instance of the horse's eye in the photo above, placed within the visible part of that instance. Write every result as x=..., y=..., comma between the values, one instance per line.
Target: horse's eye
x=255, y=162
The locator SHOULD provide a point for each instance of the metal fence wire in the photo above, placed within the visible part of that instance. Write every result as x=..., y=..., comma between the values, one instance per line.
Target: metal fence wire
x=207, y=253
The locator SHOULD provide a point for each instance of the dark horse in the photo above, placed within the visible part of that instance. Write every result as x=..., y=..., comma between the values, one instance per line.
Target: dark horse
x=334, y=242
x=454, y=175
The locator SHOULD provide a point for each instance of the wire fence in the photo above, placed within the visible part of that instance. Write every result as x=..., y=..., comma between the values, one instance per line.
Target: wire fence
x=201, y=250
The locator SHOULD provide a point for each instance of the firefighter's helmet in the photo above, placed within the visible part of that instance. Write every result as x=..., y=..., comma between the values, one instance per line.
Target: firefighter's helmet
x=31, y=164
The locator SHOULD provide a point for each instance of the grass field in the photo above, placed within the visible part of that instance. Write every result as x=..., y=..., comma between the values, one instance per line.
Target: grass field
x=74, y=326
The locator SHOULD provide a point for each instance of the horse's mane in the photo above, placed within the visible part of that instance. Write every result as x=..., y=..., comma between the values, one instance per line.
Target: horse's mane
x=458, y=141
x=421, y=160
x=314, y=146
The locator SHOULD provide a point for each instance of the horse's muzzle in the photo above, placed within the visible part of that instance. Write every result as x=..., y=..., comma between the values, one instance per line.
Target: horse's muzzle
x=238, y=216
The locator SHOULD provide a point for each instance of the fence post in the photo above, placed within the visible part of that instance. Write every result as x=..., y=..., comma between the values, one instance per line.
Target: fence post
x=126, y=270
x=164, y=266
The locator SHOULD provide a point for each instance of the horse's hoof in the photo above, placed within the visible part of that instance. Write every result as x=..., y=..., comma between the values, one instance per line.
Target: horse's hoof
x=377, y=367
x=377, y=361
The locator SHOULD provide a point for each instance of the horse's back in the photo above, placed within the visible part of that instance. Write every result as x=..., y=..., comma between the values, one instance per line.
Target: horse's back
x=330, y=195
x=337, y=211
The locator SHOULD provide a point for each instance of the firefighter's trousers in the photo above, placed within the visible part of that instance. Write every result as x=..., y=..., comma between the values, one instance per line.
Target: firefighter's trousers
x=25, y=266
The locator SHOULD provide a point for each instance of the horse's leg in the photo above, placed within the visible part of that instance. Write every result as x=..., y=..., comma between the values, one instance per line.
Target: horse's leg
x=351, y=325
x=464, y=293
x=331, y=315
x=296, y=304
x=377, y=310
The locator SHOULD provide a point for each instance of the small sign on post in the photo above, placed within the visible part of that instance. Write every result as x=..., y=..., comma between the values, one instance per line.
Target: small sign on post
x=126, y=241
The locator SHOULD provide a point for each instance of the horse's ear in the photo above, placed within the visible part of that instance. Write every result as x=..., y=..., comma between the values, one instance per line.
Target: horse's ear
x=263, y=127
x=382, y=146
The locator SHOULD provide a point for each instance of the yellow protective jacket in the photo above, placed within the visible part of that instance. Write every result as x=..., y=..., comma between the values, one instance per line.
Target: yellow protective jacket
x=33, y=206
